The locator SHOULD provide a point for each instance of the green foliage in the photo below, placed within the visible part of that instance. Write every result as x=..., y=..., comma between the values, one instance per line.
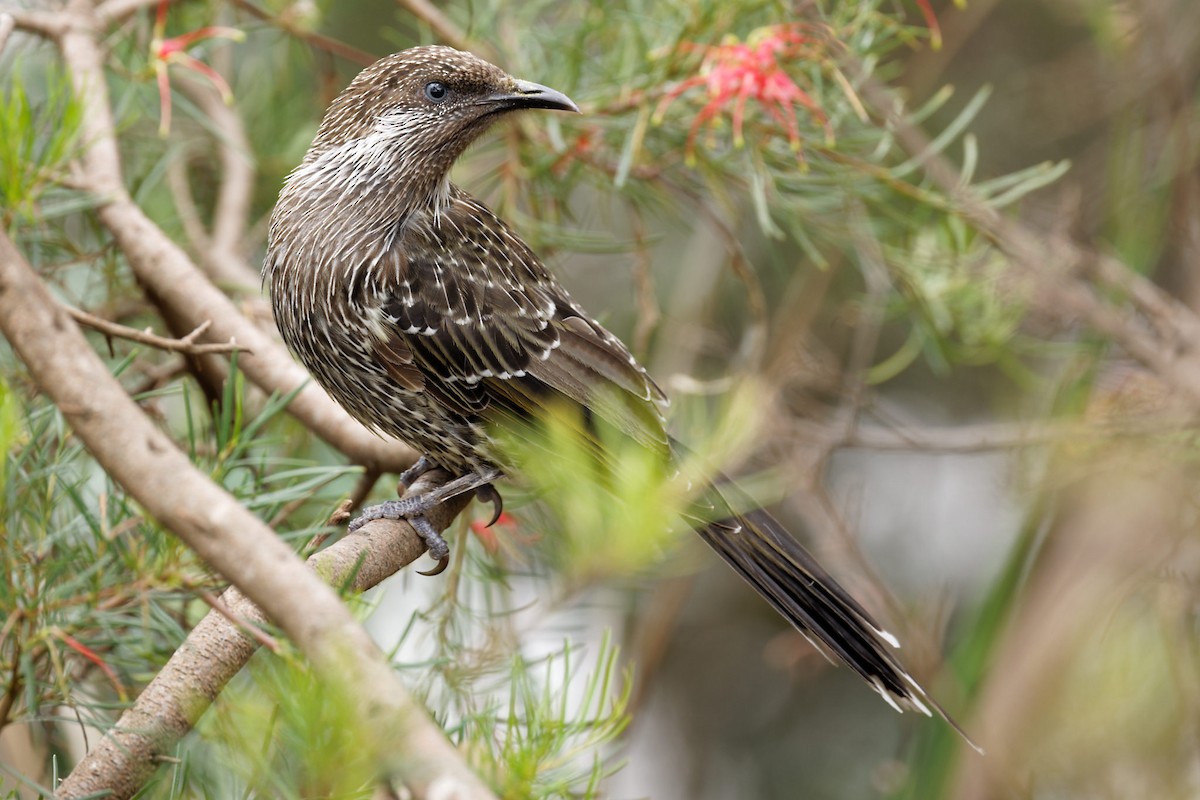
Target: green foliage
x=848, y=182
x=11, y=416
x=548, y=741
x=91, y=590
x=615, y=510
x=38, y=134
x=952, y=300
x=96, y=596
x=276, y=732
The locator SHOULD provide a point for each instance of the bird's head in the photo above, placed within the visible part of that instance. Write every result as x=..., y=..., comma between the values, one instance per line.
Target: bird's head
x=422, y=107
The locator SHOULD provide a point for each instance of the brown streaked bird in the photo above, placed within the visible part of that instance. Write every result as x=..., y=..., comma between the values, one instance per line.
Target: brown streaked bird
x=428, y=319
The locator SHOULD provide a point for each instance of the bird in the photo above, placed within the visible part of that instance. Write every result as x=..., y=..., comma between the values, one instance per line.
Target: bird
x=429, y=320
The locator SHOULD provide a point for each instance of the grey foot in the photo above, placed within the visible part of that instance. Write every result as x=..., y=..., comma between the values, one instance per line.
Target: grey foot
x=416, y=507
x=410, y=475
x=412, y=509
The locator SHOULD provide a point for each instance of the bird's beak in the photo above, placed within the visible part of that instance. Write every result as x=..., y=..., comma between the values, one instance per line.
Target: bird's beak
x=525, y=94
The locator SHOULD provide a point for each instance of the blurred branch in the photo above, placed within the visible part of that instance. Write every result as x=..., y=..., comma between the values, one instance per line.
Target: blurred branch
x=43, y=23
x=869, y=321
x=223, y=642
x=222, y=255
x=441, y=25
x=146, y=462
x=115, y=10
x=989, y=437
x=1128, y=403
x=1070, y=279
x=190, y=220
x=316, y=40
x=174, y=281
x=187, y=344
x=1083, y=573
x=7, y=23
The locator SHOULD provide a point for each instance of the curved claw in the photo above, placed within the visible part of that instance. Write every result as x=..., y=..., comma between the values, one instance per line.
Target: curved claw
x=488, y=494
x=439, y=569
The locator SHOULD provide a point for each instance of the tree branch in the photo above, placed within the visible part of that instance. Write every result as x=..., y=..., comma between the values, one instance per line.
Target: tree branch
x=187, y=344
x=43, y=23
x=222, y=258
x=317, y=40
x=147, y=463
x=218, y=647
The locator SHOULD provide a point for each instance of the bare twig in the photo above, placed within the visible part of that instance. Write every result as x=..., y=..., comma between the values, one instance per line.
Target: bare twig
x=251, y=629
x=870, y=319
x=325, y=43
x=156, y=375
x=146, y=462
x=185, y=345
x=341, y=516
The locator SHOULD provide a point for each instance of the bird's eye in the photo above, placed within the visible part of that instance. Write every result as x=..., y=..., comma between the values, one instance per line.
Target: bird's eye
x=436, y=92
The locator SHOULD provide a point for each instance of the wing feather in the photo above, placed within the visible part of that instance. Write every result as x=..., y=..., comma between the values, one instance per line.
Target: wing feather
x=478, y=322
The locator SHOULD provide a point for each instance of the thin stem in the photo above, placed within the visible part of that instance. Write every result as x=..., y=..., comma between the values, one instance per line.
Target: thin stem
x=185, y=345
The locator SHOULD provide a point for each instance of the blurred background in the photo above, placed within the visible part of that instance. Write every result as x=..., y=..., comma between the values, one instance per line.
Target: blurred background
x=922, y=299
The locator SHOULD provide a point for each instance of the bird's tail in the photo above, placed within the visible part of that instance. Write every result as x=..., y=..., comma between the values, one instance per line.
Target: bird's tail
x=761, y=550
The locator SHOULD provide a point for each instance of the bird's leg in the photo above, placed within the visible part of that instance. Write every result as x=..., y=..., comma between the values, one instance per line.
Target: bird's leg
x=410, y=475
x=415, y=507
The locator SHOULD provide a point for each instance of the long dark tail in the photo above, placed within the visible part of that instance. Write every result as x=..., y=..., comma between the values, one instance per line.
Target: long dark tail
x=761, y=550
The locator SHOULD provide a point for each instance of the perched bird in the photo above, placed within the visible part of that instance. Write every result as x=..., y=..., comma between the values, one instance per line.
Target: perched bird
x=429, y=320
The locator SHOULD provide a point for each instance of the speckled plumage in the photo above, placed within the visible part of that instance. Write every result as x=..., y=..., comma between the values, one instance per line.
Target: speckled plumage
x=428, y=319
x=407, y=299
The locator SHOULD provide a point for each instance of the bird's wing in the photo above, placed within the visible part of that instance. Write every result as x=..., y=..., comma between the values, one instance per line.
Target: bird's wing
x=475, y=319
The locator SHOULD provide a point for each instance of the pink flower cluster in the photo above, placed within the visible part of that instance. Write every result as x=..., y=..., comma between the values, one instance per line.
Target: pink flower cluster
x=735, y=72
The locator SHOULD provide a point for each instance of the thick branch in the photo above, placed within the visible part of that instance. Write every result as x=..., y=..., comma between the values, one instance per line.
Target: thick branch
x=148, y=465
x=217, y=649
x=173, y=280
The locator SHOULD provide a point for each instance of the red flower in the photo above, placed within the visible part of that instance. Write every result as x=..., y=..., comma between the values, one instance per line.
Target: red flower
x=935, y=30
x=91, y=655
x=736, y=72
x=490, y=535
x=174, y=51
